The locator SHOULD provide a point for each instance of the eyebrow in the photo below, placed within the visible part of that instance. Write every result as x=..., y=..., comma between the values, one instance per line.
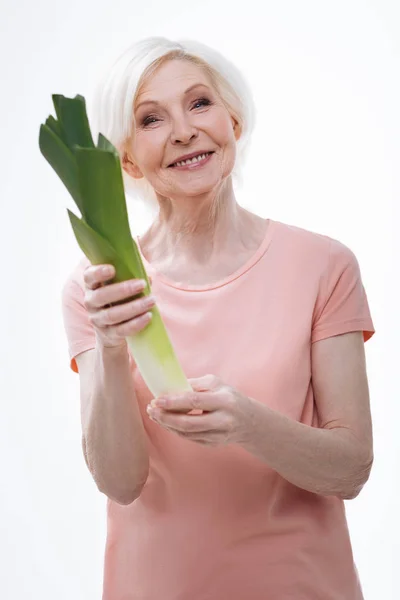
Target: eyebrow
x=189, y=89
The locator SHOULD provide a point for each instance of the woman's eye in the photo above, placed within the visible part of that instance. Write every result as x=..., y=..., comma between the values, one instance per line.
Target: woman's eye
x=202, y=102
x=148, y=120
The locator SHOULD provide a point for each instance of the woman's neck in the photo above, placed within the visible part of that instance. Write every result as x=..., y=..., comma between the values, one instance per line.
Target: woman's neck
x=199, y=232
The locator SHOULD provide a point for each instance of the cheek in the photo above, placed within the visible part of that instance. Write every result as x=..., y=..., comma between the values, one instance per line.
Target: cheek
x=227, y=142
x=148, y=150
x=222, y=128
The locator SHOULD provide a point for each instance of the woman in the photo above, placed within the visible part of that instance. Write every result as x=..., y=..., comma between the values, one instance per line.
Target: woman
x=243, y=501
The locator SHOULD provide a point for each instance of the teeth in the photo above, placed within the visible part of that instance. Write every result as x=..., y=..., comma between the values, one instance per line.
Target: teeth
x=190, y=161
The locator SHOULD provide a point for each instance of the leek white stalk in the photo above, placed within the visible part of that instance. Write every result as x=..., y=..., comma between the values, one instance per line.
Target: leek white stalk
x=92, y=174
x=156, y=360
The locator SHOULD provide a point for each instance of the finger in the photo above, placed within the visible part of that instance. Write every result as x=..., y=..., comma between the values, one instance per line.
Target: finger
x=117, y=292
x=123, y=313
x=207, y=382
x=189, y=424
x=96, y=275
x=206, y=401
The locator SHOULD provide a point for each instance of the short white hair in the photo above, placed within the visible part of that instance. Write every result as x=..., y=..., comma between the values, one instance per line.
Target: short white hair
x=114, y=98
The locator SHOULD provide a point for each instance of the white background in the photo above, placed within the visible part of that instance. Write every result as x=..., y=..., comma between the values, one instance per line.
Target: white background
x=325, y=156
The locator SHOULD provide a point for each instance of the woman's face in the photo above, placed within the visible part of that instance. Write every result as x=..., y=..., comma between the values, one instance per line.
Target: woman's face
x=177, y=113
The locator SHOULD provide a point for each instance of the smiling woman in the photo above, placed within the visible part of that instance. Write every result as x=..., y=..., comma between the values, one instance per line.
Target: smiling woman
x=242, y=499
x=122, y=88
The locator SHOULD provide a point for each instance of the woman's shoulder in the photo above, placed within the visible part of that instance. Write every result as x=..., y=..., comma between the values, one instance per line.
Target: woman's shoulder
x=315, y=241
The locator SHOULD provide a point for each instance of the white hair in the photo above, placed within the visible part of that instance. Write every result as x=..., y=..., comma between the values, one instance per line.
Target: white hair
x=116, y=93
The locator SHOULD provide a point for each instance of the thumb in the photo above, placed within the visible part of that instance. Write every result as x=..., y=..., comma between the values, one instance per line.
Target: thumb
x=204, y=383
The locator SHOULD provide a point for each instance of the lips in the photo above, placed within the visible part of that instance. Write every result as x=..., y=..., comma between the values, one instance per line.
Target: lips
x=189, y=156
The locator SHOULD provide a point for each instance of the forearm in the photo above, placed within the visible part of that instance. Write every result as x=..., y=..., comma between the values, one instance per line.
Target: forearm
x=115, y=438
x=324, y=461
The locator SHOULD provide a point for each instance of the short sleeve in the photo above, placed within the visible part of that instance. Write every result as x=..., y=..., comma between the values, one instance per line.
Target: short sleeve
x=342, y=304
x=79, y=331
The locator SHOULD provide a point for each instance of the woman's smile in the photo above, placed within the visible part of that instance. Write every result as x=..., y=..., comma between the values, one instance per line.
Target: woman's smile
x=194, y=163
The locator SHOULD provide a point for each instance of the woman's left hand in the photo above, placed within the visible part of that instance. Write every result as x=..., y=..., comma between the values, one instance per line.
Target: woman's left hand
x=227, y=417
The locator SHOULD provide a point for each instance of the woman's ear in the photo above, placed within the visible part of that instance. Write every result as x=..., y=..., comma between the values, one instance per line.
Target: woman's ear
x=130, y=167
x=236, y=129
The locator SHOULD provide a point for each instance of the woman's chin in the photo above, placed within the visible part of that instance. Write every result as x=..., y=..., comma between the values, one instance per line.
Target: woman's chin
x=199, y=187
x=193, y=192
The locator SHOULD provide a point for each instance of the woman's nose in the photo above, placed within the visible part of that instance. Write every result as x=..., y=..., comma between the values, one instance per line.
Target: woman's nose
x=182, y=131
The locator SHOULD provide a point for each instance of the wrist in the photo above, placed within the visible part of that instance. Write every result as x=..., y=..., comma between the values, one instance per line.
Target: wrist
x=111, y=350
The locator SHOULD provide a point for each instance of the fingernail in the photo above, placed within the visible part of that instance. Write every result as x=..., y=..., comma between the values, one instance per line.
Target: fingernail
x=107, y=271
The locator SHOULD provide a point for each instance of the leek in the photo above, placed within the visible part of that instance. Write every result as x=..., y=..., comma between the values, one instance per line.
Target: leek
x=92, y=175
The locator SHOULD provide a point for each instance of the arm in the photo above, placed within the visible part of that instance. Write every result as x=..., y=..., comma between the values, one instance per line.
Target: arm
x=114, y=439
x=336, y=458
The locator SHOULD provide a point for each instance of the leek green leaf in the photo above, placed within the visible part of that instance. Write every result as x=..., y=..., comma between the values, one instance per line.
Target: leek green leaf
x=54, y=126
x=98, y=250
x=73, y=121
x=101, y=184
x=93, y=176
x=62, y=160
x=104, y=144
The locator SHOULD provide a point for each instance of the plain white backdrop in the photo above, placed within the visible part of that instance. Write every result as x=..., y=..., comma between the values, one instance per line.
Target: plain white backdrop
x=325, y=156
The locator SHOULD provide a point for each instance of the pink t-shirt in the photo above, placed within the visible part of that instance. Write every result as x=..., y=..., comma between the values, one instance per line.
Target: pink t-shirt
x=216, y=523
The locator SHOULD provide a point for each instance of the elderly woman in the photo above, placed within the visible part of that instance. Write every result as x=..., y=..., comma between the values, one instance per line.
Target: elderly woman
x=242, y=499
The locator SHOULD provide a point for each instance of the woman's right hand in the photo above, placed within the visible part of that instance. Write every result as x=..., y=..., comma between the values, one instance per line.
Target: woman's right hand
x=112, y=324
